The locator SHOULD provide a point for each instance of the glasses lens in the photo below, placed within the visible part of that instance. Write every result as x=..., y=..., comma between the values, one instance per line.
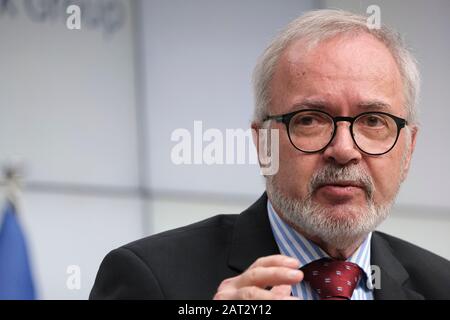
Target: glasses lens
x=375, y=133
x=310, y=131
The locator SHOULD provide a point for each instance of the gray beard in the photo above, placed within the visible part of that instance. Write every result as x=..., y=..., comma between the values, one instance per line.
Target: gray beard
x=314, y=220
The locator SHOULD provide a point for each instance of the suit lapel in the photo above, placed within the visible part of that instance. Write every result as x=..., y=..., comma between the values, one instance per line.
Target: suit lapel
x=393, y=276
x=252, y=236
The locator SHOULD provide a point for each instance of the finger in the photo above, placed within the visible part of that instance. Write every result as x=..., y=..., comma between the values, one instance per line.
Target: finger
x=274, y=260
x=282, y=290
x=247, y=293
x=229, y=294
x=256, y=293
x=277, y=260
x=226, y=284
x=269, y=276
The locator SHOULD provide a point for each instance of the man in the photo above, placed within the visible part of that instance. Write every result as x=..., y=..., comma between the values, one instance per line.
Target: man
x=343, y=98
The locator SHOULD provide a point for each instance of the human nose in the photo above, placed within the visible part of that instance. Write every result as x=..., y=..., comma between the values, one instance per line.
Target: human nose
x=342, y=148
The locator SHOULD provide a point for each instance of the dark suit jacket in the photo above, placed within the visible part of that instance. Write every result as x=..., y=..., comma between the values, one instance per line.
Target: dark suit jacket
x=190, y=262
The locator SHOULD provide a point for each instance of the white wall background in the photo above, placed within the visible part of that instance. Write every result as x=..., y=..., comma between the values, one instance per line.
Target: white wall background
x=68, y=100
x=68, y=111
x=91, y=117
x=199, y=56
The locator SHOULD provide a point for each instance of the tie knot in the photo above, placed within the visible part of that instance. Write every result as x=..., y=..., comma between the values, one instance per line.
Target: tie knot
x=332, y=279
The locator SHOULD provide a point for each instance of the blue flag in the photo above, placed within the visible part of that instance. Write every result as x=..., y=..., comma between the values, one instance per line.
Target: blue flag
x=15, y=275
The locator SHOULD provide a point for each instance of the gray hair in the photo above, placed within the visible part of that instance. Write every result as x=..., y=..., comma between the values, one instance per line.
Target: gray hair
x=317, y=26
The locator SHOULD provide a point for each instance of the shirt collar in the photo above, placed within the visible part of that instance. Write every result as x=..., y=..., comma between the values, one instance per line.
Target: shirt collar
x=293, y=244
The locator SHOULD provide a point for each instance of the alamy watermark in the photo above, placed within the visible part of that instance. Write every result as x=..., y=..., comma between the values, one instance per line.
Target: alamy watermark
x=374, y=20
x=73, y=21
x=73, y=281
x=230, y=147
x=374, y=281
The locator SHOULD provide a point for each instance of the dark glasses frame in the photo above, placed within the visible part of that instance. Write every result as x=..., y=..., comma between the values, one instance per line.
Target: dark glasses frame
x=287, y=117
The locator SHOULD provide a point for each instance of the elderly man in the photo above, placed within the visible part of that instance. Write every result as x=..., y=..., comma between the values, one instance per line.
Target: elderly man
x=343, y=98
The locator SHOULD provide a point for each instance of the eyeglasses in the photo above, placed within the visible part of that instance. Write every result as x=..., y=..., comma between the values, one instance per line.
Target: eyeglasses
x=311, y=131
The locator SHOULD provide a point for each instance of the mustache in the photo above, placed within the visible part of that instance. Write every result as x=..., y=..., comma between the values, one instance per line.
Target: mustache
x=348, y=175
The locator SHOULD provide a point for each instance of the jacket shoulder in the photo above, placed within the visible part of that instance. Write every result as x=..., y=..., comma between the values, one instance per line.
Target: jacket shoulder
x=428, y=272
x=411, y=252
x=169, y=264
x=215, y=227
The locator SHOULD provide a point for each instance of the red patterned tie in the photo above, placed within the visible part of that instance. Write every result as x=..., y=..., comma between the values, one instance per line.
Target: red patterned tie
x=332, y=279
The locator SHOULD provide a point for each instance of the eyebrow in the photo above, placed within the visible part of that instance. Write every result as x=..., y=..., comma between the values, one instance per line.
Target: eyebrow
x=310, y=104
x=375, y=104
x=323, y=105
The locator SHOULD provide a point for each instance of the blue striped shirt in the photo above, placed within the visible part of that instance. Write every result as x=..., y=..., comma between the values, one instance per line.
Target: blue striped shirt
x=293, y=244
